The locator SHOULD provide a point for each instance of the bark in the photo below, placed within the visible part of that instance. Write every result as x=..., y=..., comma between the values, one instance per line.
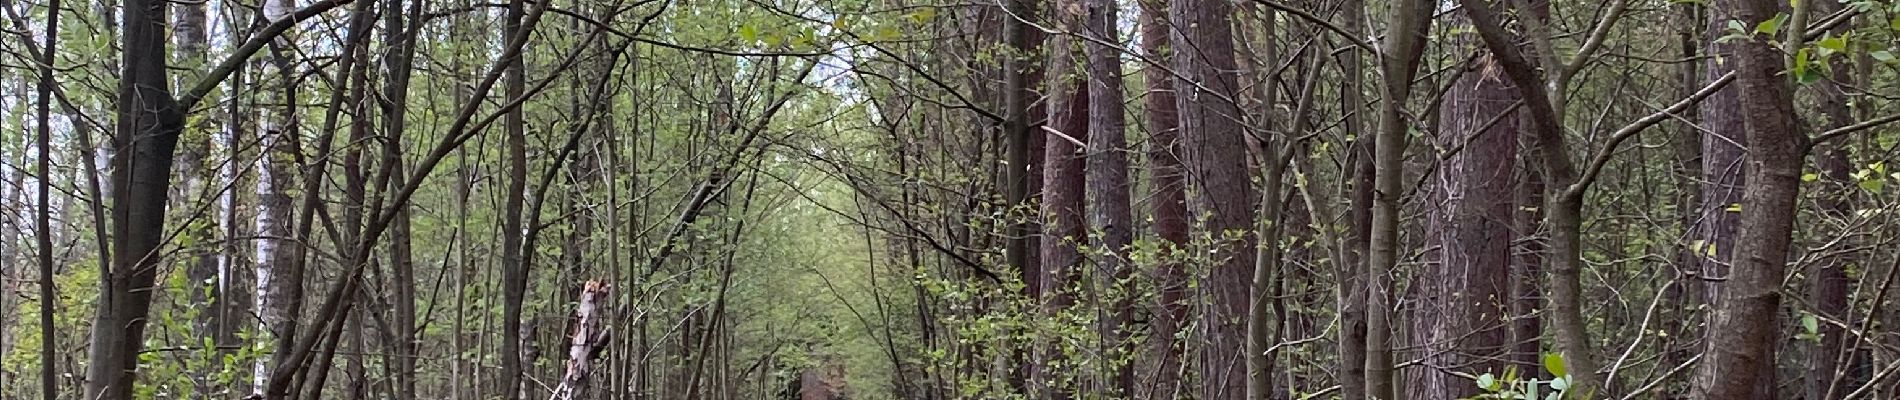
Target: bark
x=1353, y=269
x=514, y=280
x=1215, y=156
x=1722, y=150
x=1111, y=213
x=1563, y=202
x=42, y=213
x=1686, y=146
x=397, y=69
x=1404, y=41
x=1022, y=70
x=208, y=294
x=149, y=124
x=1169, y=205
x=1743, y=330
x=1527, y=271
x=1260, y=323
x=279, y=276
x=1463, y=292
x=1827, y=280
x=1064, y=224
x=585, y=343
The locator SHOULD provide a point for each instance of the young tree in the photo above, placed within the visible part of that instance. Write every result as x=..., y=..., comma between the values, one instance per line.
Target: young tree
x=1404, y=43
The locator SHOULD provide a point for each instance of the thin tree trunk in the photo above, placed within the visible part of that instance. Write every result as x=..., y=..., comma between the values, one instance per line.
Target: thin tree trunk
x=397, y=68
x=42, y=214
x=1404, y=41
x=514, y=278
x=1353, y=269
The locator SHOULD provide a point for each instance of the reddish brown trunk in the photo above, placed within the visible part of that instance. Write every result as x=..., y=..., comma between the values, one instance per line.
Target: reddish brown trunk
x=1062, y=204
x=1462, y=294
x=1215, y=152
x=1168, y=202
x=1110, y=214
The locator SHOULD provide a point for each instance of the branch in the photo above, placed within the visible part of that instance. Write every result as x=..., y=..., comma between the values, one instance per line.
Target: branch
x=1836, y=133
x=1342, y=32
x=1603, y=154
x=1590, y=44
x=243, y=53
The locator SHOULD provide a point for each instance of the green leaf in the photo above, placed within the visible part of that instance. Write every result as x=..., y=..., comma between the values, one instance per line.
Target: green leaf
x=1873, y=185
x=1810, y=177
x=886, y=33
x=923, y=15
x=1836, y=43
x=1559, y=383
x=1882, y=56
x=1772, y=25
x=1488, y=382
x=1803, y=73
x=749, y=33
x=1554, y=363
x=1810, y=323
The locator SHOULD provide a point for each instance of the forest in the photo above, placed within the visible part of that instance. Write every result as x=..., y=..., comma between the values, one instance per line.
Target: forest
x=935, y=200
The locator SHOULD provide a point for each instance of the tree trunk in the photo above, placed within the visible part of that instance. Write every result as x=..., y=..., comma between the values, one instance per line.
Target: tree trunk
x=514, y=280
x=1110, y=210
x=397, y=69
x=1722, y=151
x=585, y=342
x=208, y=293
x=1463, y=293
x=1563, y=200
x=1022, y=70
x=278, y=272
x=1064, y=225
x=1169, y=202
x=1352, y=268
x=42, y=212
x=149, y=124
x=1404, y=42
x=1216, y=157
x=1743, y=330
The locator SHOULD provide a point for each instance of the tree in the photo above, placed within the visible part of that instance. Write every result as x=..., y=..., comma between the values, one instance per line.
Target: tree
x=1464, y=294
x=147, y=132
x=149, y=124
x=1111, y=214
x=1744, y=333
x=42, y=215
x=1404, y=41
x=1214, y=154
x=1168, y=202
